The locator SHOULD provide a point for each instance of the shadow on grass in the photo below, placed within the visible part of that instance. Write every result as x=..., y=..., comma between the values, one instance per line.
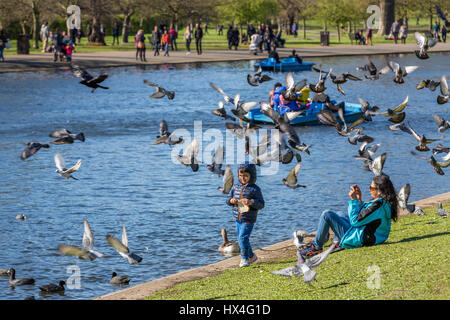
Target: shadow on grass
x=223, y=297
x=421, y=238
x=337, y=285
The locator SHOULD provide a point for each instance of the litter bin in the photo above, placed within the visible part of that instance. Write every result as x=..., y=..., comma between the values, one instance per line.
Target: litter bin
x=324, y=38
x=23, y=44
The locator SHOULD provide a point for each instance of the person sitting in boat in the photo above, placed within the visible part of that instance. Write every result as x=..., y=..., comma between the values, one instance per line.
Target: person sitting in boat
x=324, y=98
x=272, y=93
x=274, y=54
x=296, y=56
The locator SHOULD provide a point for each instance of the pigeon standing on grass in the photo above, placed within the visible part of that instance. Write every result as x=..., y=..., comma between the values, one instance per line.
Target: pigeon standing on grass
x=441, y=211
x=403, y=196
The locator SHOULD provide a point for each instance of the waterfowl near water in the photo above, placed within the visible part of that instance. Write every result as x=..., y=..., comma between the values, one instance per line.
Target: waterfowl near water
x=18, y=282
x=4, y=273
x=119, y=280
x=21, y=217
x=228, y=247
x=52, y=288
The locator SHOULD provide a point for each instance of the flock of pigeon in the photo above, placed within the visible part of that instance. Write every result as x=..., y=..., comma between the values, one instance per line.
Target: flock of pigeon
x=284, y=145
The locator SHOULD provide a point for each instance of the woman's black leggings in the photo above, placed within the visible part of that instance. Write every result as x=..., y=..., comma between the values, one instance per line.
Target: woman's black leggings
x=188, y=45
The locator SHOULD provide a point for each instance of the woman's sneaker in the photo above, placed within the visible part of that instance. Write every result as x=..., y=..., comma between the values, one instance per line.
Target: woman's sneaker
x=310, y=251
x=252, y=258
x=244, y=263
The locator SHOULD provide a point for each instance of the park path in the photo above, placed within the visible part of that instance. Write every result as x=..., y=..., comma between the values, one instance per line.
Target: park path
x=285, y=249
x=44, y=61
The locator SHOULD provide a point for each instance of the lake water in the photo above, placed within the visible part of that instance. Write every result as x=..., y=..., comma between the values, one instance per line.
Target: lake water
x=173, y=216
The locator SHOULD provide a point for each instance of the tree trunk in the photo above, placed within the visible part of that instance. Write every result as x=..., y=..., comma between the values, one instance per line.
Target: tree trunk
x=23, y=26
x=126, y=25
x=35, y=12
x=338, y=32
x=431, y=16
x=304, y=27
x=95, y=36
x=387, y=16
x=96, y=11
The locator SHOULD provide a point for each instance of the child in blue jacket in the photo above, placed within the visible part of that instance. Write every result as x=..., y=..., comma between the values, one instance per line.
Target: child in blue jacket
x=246, y=199
x=366, y=224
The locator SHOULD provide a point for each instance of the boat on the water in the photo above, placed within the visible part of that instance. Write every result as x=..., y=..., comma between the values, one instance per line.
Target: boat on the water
x=287, y=64
x=309, y=118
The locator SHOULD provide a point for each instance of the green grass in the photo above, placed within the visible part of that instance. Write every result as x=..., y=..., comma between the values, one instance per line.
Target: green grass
x=413, y=264
x=212, y=41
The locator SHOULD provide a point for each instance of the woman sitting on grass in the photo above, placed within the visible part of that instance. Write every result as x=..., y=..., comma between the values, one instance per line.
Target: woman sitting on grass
x=367, y=223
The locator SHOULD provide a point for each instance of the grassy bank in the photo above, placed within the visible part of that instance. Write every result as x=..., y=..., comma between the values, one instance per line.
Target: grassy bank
x=213, y=41
x=413, y=264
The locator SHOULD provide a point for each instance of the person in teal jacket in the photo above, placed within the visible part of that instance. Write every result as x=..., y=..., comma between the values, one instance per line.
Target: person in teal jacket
x=366, y=224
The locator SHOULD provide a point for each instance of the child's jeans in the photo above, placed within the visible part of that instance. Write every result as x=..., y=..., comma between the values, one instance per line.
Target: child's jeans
x=337, y=221
x=243, y=231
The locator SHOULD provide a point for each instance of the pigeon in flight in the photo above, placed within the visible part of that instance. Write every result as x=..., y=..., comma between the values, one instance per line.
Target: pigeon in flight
x=373, y=71
x=423, y=141
x=242, y=108
x=165, y=136
x=396, y=115
x=65, y=136
x=257, y=78
x=87, y=79
x=441, y=99
x=430, y=84
x=424, y=44
x=217, y=161
x=340, y=79
x=366, y=152
x=359, y=137
x=441, y=122
x=437, y=166
x=160, y=91
x=86, y=252
x=61, y=167
x=376, y=166
x=224, y=95
x=320, y=85
x=228, y=181
x=440, y=149
x=221, y=112
x=398, y=70
x=32, y=148
x=291, y=180
x=122, y=247
x=403, y=196
x=189, y=155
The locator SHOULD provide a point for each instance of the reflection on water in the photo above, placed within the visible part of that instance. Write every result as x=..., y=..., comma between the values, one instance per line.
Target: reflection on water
x=174, y=216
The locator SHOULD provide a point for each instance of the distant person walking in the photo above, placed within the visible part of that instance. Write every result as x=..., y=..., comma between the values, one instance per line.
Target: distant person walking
x=235, y=38
x=156, y=40
x=230, y=37
x=165, y=43
x=45, y=33
x=3, y=42
x=173, y=35
x=403, y=33
x=444, y=32
x=139, y=42
x=57, y=40
x=369, y=36
x=115, y=33
x=198, y=38
x=188, y=39
x=435, y=30
x=395, y=28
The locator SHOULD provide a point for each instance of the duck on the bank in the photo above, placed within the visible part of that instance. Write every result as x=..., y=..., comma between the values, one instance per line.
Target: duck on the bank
x=18, y=282
x=228, y=247
x=50, y=288
x=115, y=279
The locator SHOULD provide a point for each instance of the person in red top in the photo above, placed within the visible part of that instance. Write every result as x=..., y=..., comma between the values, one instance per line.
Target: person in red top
x=173, y=38
x=69, y=49
x=165, y=43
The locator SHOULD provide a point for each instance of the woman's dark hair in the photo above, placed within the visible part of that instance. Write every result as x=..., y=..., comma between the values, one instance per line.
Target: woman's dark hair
x=384, y=184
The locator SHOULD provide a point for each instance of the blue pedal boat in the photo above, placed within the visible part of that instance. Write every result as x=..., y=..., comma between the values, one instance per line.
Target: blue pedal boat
x=352, y=113
x=287, y=64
